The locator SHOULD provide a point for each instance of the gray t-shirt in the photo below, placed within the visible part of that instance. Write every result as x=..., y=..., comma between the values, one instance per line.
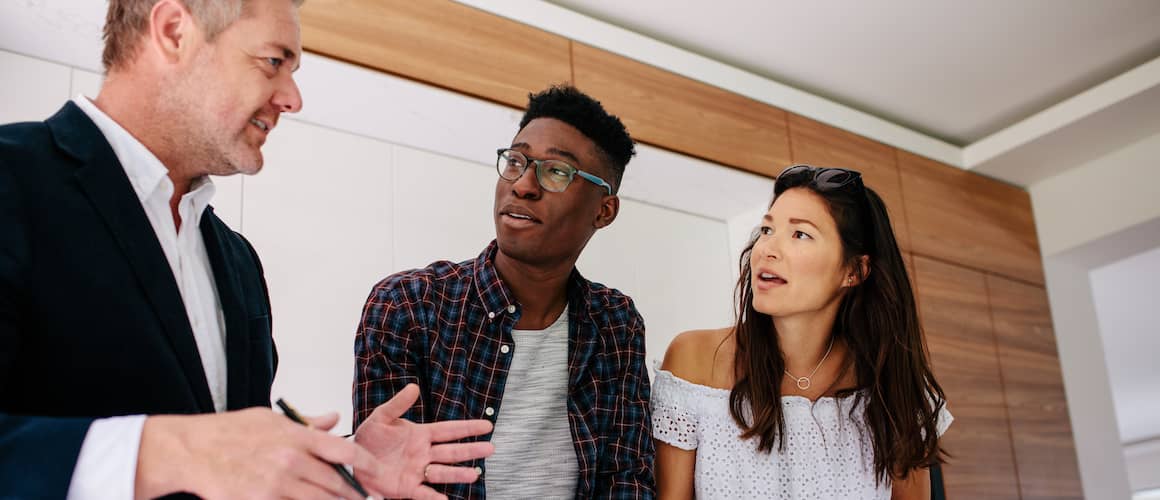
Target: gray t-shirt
x=534, y=454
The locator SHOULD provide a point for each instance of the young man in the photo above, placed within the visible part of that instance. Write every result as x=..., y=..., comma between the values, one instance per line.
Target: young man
x=125, y=302
x=517, y=335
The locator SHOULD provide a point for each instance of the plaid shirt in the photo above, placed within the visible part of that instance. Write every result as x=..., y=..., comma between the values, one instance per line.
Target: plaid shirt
x=442, y=327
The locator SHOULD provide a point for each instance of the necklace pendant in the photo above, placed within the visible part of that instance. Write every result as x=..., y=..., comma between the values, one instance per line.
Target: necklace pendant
x=803, y=383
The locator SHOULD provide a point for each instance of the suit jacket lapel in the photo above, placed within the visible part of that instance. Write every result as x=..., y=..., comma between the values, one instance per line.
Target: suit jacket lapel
x=103, y=180
x=229, y=293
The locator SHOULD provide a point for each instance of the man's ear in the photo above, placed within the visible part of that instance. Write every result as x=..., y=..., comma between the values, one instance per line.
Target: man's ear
x=609, y=208
x=170, y=27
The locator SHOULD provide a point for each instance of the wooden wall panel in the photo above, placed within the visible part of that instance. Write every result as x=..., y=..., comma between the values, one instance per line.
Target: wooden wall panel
x=966, y=218
x=908, y=259
x=439, y=42
x=821, y=145
x=957, y=322
x=1033, y=383
x=677, y=113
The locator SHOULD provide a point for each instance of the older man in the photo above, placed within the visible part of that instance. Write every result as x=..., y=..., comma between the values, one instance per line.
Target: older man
x=134, y=324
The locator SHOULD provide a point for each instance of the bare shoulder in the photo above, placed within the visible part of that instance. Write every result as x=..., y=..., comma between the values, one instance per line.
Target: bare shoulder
x=692, y=355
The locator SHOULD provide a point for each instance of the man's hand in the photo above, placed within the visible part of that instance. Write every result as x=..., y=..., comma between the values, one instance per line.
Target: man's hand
x=252, y=453
x=410, y=453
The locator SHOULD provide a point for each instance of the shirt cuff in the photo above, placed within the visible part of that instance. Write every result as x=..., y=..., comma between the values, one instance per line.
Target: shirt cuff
x=107, y=465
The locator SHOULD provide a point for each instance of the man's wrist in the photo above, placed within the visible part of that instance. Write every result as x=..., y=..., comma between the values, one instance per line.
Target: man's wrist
x=163, y=464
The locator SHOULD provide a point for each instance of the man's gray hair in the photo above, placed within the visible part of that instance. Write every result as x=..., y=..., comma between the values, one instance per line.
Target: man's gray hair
x=127, y=20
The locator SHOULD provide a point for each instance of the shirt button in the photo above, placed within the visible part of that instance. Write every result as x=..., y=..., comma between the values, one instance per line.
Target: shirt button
x=511, y=309
x=489, y=411
x=491, y=315
x=478, y=471
x=504, y=349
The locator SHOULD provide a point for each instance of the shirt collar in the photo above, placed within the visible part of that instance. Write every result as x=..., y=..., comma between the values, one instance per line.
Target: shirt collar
x=146, y=173
x=495, y=295
x=201, y=191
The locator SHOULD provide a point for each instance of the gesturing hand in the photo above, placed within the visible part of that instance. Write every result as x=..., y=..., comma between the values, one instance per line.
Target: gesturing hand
x=411, y=454
x=253, y=453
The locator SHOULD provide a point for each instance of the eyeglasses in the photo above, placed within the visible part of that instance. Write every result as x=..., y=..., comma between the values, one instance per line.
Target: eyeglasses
x=553, y=175
x=825, y=178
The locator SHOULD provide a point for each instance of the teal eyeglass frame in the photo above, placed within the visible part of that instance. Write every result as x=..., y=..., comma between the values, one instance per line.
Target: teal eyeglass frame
x=569, y=169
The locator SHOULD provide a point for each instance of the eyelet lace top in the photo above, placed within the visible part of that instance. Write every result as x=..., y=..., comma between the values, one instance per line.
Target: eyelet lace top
x=828, y=451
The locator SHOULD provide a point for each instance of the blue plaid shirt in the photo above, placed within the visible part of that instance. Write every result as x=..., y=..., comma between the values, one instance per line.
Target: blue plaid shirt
x=442, y=327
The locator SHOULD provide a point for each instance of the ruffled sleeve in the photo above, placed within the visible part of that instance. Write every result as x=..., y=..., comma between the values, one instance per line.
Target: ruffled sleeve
x=944, y=419
x=674, y=416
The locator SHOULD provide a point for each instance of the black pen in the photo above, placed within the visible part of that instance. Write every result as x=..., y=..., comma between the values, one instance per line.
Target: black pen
x=338, y=467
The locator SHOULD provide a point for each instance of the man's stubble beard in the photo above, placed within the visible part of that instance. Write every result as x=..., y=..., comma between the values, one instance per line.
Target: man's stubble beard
x=200, y=139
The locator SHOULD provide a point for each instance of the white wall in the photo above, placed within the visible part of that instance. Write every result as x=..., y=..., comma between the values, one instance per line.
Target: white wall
x=1098, y=198
x=380, y=174
x=1120, y=292
x=30, y=87
x=1087, y=218
x=1085, y=377
x=1143, y=461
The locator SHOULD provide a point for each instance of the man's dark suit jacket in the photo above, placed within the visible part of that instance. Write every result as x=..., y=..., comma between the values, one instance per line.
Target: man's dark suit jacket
x=91, y=320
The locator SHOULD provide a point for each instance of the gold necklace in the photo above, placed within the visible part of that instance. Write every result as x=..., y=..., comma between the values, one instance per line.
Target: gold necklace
x=804, y=383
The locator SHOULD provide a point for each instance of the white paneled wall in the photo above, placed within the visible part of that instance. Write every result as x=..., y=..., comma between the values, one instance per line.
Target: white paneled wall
x=674, y=265
x=319, y=214
x=442, y=208
x=30, y=89
x=379, y=174
x=85, y=82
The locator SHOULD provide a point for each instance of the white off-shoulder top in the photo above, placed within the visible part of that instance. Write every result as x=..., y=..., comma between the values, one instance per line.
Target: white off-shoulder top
x=828, y=451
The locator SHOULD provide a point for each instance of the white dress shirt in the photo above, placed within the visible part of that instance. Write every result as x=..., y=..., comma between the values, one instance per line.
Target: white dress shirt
x=107, y=465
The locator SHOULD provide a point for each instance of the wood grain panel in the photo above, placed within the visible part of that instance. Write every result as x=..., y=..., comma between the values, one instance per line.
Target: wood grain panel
x=439, y=42
x=821, y=145
x=677, y=113
x=957, y=322
x=1033, y=383
x=908, y=260
x=962, y=217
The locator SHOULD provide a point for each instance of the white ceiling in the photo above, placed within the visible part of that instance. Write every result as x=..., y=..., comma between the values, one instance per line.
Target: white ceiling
x=1126, y=294
x=958, y=71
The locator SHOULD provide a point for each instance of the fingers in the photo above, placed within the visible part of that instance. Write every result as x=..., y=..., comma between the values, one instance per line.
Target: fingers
x=457, y=429
x=322, y=477
x=302, y=489
x=443, y=474
x=398, y=405
x=338, y=450
x=323, y=422
x=426, y=493
x=461, y=452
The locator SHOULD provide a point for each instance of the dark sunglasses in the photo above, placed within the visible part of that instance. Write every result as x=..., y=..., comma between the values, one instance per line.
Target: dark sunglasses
x=825, y=178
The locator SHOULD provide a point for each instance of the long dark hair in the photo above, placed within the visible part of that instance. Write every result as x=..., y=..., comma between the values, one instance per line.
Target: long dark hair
x=877, y=319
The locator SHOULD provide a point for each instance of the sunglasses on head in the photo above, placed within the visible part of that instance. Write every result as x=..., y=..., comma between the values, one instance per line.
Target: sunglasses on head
x=825, y=178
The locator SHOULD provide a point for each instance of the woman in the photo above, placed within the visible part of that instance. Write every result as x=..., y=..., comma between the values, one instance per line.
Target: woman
x=823, y=388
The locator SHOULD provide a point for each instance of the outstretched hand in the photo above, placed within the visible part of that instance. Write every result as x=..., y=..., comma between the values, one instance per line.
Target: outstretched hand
x=252, y=453
x=412, y=454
